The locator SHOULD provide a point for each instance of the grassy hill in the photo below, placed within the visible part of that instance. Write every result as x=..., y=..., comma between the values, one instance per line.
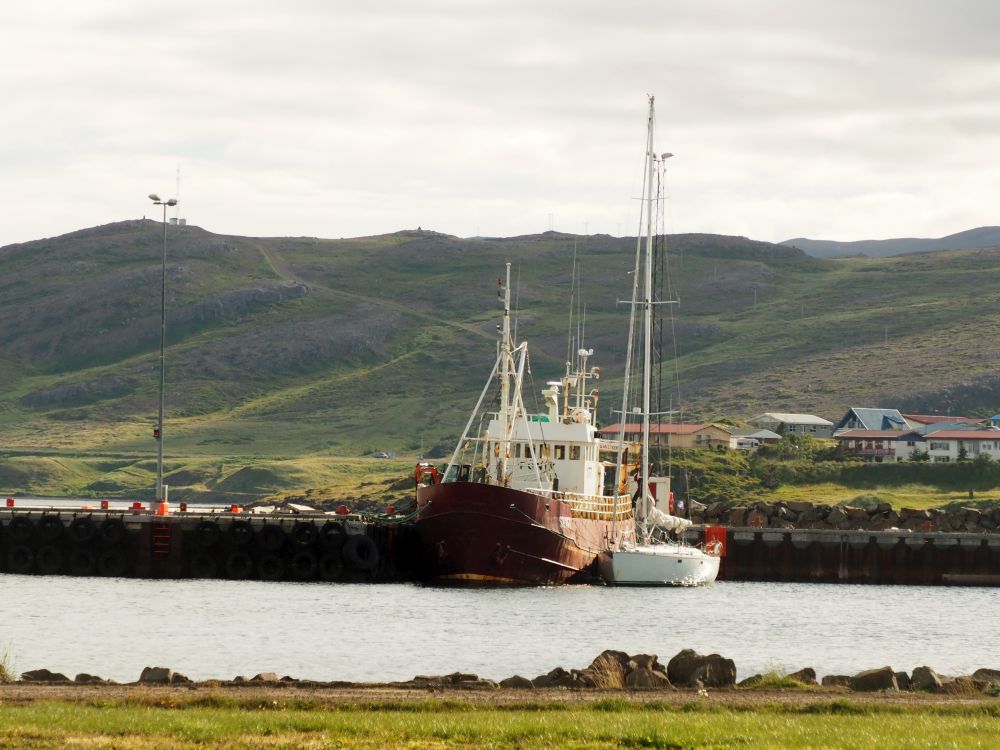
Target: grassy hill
x=302, y=349
x=971, y=238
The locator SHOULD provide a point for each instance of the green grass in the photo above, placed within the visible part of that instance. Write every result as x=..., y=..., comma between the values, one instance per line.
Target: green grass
x=907, y=496
x=840, y=724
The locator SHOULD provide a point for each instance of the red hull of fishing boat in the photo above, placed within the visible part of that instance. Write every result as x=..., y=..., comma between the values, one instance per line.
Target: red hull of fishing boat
x=480, y=534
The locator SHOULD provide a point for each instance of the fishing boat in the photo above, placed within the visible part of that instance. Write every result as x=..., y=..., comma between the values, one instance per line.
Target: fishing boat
x=523, y=502
x=654, y=554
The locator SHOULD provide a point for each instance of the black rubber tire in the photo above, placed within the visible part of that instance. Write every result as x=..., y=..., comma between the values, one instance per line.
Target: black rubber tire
x=271, y=537
x=240, y=533
x=50, y=528
x=270, y=568
x=20, y=559
x=111, y=563
x=82, y=530
x=112, y=531
x=49, y=560
x=82, y=562
x=361, y=553
x=204, y=566
x=20, y=529
x=331, y=537
x=208, y=534
x=239, y=566
x=331, y=567
x=304, y=534
x=304, y=566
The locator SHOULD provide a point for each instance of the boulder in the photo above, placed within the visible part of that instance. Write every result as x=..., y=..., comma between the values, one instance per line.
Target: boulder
x=265, y=677
x=925, y=678
x=751, y=681
x=806, y=676
x=641, y=678
x=811, y=518
x=583, y=678
x=89, y=679
x=176, y=678
x=155, y=675
x=557, y=677
x=903, y=680
x=836, y=680
x=963, y=686
x=43, y=675
x=987, y=675
x=738, y=516
x=873, y=680
x=856, y=515
x=836, y=516
x=608, y=670
x=696, y=670
x=517, y=683
x=800, y=506
x=972, y=519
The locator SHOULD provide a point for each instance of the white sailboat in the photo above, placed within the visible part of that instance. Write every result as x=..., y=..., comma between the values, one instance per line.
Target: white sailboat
x=650, y=561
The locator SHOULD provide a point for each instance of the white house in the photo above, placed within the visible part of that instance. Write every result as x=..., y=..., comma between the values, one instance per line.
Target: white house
x=947, y=445
x=943, y=446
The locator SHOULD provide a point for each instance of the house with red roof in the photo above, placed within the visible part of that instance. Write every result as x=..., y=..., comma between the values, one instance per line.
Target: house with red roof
x=675, y=435
x=916, y=421
x=948, y=445
x=881, y=446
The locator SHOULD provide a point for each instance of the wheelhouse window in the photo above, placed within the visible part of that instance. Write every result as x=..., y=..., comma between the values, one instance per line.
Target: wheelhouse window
x=574, y=452
x=560, y=452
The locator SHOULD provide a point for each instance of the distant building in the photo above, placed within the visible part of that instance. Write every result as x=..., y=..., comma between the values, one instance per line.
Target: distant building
x=858, y=418
x=793, y=424
x=947, y=445
x=748, y=440
x=674, y=435
x=881, y=446
x=916, y=421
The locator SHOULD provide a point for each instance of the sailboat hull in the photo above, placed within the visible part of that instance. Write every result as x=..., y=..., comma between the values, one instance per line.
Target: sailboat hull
x=478, y=534
x=659, y=565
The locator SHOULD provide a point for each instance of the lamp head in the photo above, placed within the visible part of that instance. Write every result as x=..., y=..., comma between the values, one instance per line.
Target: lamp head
x=154, y=197
x=172, y=202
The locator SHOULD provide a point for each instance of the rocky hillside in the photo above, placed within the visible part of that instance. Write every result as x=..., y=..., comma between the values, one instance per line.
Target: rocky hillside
x=295, y=346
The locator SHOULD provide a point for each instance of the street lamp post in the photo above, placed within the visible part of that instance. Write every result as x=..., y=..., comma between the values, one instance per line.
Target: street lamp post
x=160, y=499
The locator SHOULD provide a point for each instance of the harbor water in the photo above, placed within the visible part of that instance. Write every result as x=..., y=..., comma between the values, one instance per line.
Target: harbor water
x=219, y=629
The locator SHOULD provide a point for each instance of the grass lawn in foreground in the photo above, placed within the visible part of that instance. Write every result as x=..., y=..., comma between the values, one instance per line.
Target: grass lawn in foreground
x=612, y=723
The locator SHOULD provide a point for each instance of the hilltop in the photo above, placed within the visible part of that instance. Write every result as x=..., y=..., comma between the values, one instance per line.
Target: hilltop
x=971, y=238
x=295, y=347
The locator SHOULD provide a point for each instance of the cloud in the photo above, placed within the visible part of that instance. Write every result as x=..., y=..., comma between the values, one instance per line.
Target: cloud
x=844, y=120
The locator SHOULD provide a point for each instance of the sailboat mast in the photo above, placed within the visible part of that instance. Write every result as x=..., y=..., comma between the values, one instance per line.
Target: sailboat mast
x=647, y=321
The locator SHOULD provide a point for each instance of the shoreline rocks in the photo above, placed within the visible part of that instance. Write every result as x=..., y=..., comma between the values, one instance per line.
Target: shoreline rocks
x=610, y=670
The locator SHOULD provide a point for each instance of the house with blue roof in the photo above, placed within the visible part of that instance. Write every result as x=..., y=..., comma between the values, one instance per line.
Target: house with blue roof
x=995, y=420
x=858, y=418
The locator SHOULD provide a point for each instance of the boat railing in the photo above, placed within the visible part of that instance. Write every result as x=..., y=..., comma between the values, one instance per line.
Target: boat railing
x=597, y=507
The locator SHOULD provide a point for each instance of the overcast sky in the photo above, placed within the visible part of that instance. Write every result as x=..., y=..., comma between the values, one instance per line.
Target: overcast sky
x=835, y=120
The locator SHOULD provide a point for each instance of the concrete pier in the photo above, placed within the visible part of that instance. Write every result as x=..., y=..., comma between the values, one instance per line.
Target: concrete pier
x=877, y=557
x=235, y=545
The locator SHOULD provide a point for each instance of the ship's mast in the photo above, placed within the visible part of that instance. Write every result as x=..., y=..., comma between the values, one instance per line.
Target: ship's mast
x=507, y=409
x=647, y=325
